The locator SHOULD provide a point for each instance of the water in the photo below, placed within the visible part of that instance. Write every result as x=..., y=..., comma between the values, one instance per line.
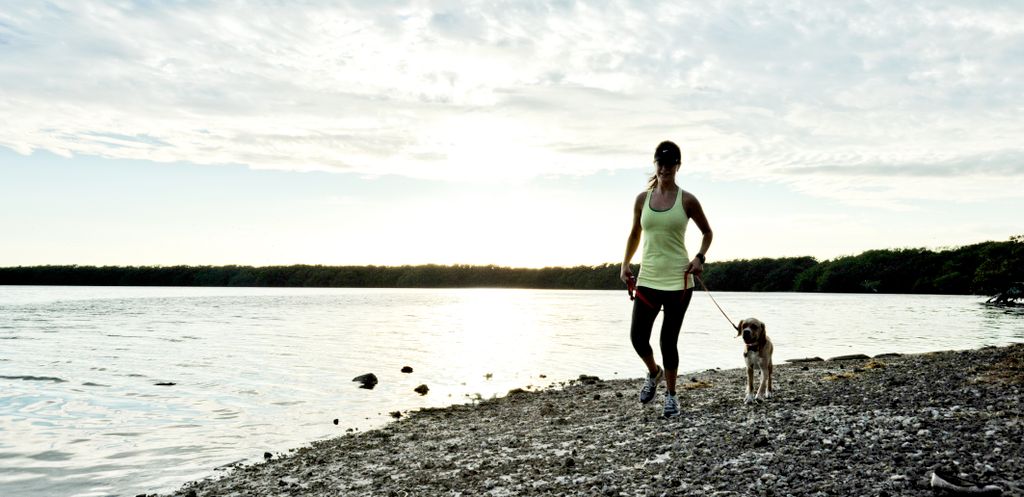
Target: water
x=258, y=370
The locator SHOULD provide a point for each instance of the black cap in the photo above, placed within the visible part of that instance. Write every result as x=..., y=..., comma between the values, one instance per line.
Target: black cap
x=667, y=153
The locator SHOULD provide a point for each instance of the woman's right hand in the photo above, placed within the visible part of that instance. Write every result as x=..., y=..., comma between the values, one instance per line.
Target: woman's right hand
x=626, y=275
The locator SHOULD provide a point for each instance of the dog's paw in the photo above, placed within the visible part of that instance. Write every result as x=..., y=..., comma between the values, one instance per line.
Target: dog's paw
x=748, y=399
x=768, y=394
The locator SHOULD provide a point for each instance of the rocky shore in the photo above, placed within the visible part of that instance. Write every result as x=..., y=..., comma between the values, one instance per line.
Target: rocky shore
x=871, y=427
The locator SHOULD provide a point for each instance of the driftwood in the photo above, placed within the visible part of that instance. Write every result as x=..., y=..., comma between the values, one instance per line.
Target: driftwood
x=850, y=357
x=805, y=359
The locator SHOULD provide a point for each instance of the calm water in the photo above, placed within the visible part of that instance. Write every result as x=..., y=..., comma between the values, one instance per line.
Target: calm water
x=260, y=370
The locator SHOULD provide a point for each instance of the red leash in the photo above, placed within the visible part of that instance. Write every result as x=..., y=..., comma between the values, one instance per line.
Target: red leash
x=702, y=285
x=634, y=294
x=632, y=289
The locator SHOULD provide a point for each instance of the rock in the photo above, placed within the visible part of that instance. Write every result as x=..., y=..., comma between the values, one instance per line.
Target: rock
x=887, y=356
x=589, y=380
x=695, y=385
x=368, y=380
x=805, y=359
x=267, y=455
x=396, y=414
x=570, y=462
x=335, y=421
x=422, y=389
x=406, y=369
x=166, y=384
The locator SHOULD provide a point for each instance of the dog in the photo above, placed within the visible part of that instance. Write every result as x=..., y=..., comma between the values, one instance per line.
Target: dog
x=757, y=352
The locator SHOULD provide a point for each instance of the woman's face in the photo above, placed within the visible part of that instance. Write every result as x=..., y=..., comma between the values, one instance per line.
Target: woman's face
x=666, y=172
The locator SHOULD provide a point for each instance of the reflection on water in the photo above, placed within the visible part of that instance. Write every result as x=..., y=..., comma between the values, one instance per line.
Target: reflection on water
x=136, y=390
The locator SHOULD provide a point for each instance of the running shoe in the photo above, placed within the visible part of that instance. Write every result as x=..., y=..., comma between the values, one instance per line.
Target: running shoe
x=671, y=405
x=651, y=386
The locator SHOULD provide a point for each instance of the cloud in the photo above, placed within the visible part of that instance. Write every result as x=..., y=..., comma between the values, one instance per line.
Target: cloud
x=997, y=166
x=804, y=93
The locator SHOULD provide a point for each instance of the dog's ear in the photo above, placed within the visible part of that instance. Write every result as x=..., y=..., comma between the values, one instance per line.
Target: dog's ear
x=764, y=327
x=739, y=327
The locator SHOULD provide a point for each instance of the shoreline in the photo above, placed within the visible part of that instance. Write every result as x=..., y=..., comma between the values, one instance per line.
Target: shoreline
x=838, y=427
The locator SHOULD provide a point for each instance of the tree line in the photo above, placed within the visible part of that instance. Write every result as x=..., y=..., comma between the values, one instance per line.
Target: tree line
x=984, y=268
x=979, y=269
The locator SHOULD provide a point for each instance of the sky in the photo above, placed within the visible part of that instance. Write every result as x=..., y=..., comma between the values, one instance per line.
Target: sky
x=508, y=133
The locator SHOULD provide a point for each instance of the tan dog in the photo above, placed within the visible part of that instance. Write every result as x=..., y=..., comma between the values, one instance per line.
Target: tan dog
x=757, y=351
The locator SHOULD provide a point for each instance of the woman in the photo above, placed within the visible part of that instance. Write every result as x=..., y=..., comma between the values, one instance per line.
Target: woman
x=666, y=273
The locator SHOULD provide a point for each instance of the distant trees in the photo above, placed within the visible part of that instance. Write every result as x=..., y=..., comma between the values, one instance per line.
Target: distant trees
x=757, y=275
x=427, y=276
x=983, y=268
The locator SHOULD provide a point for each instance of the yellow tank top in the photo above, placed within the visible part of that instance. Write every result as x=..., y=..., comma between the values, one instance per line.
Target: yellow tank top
x=664, y=254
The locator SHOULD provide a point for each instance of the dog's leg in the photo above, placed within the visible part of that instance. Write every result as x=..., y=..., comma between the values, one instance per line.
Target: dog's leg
x=750, y=384
x=763, y=384
x=762, y=387
x=768, y=394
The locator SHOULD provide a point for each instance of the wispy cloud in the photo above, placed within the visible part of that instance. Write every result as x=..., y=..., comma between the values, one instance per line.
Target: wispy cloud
x=806, y=93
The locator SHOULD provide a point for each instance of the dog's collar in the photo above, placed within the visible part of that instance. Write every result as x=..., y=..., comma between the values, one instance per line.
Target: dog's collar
x=756, y=346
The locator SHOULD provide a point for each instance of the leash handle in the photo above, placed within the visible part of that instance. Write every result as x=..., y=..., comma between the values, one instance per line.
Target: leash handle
x=702, y=285
x=634, y=292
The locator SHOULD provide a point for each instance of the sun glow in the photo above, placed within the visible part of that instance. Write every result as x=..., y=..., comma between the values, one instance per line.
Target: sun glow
x=492, y=328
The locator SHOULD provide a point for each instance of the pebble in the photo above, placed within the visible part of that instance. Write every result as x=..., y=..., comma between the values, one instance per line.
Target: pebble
x=571, y=440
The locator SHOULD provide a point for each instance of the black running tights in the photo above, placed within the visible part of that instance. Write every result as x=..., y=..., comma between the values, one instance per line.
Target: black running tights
x=644, y=312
